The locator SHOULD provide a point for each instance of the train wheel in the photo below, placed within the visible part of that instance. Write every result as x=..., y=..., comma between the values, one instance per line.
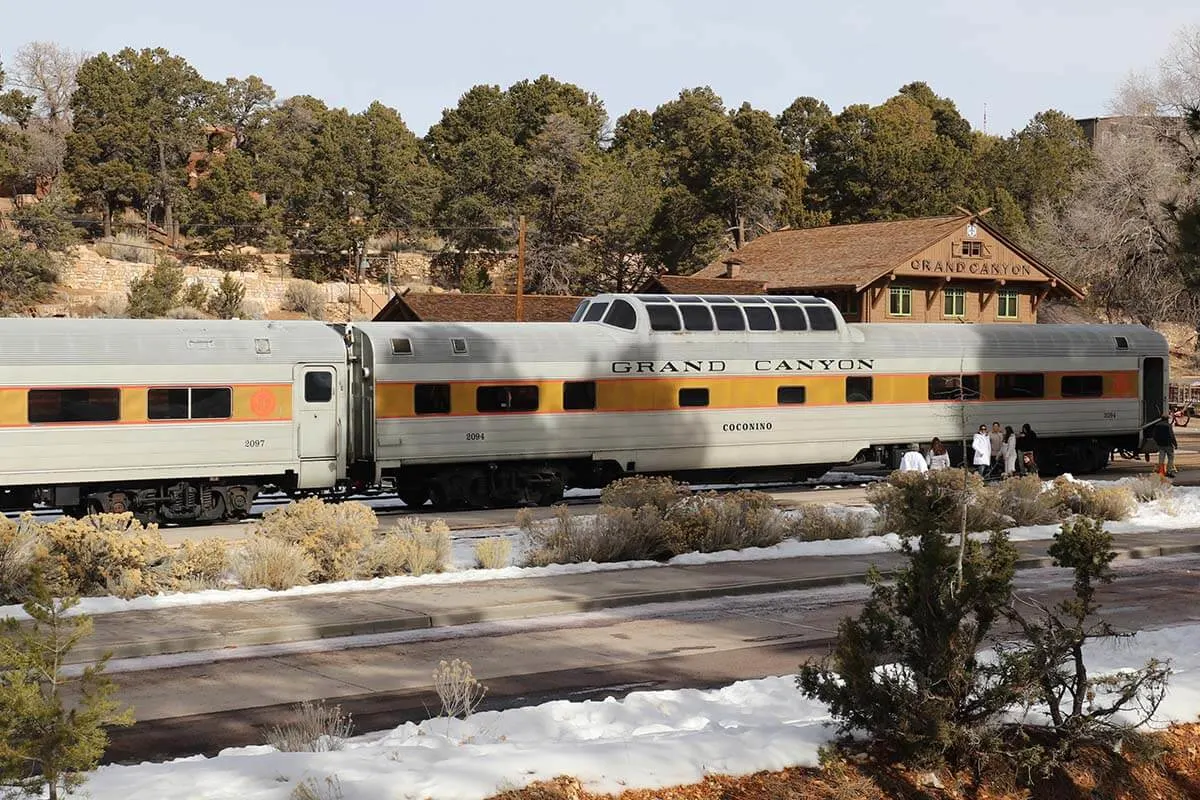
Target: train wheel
x=549, y=490
x=414, y=496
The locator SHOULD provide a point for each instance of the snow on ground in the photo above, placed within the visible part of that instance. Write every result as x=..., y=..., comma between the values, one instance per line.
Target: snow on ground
x=1178, y=510
x=647, y=740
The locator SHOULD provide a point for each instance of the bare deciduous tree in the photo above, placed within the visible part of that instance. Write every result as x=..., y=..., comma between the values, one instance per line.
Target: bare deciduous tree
x=47, y=71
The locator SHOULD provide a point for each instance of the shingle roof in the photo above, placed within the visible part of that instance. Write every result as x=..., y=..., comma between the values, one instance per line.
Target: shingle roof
x=848, y=256
x=477, y=308
x=678, y=284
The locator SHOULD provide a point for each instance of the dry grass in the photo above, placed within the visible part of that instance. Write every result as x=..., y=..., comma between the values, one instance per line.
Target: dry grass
x=414, y=547
x=315, y=728
x=457, y=688
x=265, y=563
x=711, y=523
x=1110, y=503
x=612, y=534
x=20, y=550
x=1147, y=488
x=494, y=553
x=814, y=523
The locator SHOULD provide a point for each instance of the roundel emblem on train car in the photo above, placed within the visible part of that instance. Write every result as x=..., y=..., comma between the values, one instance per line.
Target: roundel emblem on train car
x=262, y=403
x=972, y=230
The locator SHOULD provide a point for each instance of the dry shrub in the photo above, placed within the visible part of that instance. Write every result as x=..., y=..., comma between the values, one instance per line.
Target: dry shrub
x=457, y=688
x=265, y=563
x=1026, y=503
x=639, y=491
x=1075, y=497
x=493, y=553
x=186, y=312
x=311, y=789
x=814, y=523
x=305, y=297
x=20, y=550
x=710, y=523
x=1147, y=488
x=333, y=534
x=316, y=729
x=612, y=534
x=91, y=554
x=199, y=564
x=112, y=306
x=415, y=547
x=127, y=247
x=955, y=489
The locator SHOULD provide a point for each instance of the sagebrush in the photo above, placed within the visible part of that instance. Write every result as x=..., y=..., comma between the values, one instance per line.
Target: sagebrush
x=332, y=534
x=813, y=523
x=315, y=728
x=305, y=297
x=493, y=553
x=265, y=563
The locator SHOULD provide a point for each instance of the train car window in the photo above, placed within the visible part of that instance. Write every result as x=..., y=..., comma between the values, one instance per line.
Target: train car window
x=579, y=395
x=212, y=402
x=782, y=301
x=761, y=318
x=167, y=404
x=74, y=405
x=652, y=298
x=822, y=318
x=1082, y=386
x=686, y=298
x=790, y=395
x=318, y=387
x=696, y=317
x=729, y=318
x=693, y=398
x=664, y=318
x=458, y=347
x=953, y=387
x=580, y=311
x=791, y=318
x=595, y=312
x=1122, y=343
x=1020, y=385
x=860, y=389
x=402, y=347
x=750, y=299
x=431, y=398
x=621, y=315
x=716, y=298
x=506, y=398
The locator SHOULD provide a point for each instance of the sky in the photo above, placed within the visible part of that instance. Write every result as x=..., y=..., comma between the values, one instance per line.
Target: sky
x=1014, y=58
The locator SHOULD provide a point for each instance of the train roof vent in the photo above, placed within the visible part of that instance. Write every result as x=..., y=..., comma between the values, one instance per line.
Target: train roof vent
x=1122, y=342
x=458, y=346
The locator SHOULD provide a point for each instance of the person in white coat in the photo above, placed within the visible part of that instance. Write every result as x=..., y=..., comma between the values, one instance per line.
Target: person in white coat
x=982, y=446
x=1008, y=451
x=913, y=461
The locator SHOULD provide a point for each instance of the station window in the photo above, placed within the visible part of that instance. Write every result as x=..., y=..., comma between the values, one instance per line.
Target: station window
x=1008, y=304
x=693, y=398
x=972, y=249
x=860, y=389
x=663, y=318
x=900, y=301
x=431, y=398
x=1082, y=386
x=579, y=395
x=74, y=405
x=953, y=387
x=1020, y=385
x=506, y=398
x=790, y=395
x=955, y=303
x=853, y=305
x=791, y=318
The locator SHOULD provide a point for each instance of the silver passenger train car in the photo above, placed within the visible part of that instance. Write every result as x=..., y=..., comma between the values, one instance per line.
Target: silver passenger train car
x=188, y=421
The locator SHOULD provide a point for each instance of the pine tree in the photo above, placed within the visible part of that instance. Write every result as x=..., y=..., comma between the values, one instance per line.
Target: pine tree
x=52, y=725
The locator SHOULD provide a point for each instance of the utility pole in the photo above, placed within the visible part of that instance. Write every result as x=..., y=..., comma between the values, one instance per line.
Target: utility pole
x=521, y=269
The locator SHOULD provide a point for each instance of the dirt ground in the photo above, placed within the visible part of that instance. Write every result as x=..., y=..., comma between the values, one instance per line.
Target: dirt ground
x=1171, y=774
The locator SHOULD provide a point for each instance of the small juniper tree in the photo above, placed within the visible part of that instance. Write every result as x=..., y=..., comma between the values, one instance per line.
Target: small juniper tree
x=226, y=301
x=1082, y=707
x=905, y=670
x=52, y=725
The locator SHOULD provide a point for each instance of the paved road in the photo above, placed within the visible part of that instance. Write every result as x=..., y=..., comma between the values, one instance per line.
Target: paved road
x=204, y=707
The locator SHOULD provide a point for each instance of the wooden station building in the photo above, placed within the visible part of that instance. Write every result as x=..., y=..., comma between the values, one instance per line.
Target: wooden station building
x=936, y=269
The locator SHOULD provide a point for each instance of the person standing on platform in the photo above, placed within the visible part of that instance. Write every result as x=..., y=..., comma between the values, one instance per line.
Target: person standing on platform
x=913, y=461
x=1008, y=451
x=1164, y=436
x=981, y=445
x=939, y=457
x=996, y=438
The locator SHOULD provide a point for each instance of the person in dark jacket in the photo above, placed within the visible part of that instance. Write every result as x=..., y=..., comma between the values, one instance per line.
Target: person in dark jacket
x=1163, y=434
x=1026, y=449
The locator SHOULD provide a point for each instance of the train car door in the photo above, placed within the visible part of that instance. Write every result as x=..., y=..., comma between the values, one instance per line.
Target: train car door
x=317, y=402
x=1154, y=389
